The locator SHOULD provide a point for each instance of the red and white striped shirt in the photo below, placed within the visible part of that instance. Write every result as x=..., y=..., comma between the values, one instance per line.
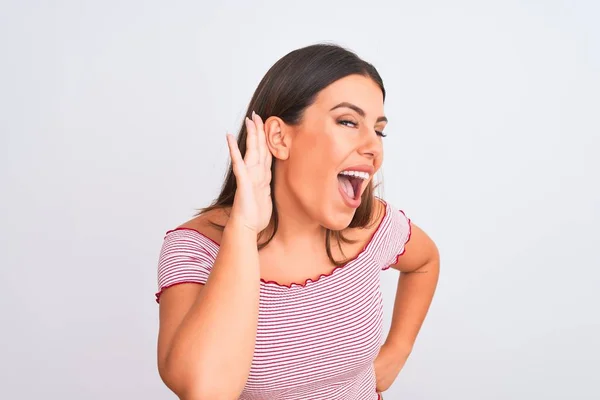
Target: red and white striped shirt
x=314, y=341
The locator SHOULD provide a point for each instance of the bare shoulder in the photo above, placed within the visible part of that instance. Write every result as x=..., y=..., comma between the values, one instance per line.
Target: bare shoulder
x=203, y=223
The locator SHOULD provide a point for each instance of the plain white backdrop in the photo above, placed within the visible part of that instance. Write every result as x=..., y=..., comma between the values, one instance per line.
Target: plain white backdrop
x=113, y=117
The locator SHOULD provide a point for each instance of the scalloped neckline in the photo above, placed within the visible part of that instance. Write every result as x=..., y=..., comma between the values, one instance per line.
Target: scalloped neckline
x=308, y=280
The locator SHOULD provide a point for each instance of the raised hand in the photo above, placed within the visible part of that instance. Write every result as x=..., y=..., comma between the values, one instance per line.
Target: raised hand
x=252, y=204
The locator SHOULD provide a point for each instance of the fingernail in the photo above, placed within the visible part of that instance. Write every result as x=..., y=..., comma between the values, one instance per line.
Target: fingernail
x=253, y=114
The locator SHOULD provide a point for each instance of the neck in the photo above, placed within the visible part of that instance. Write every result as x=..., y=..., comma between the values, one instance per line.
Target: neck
x=296, y=230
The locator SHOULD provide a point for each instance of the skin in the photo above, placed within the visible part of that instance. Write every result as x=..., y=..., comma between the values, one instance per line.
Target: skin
x=306, y=192
x=308, y=157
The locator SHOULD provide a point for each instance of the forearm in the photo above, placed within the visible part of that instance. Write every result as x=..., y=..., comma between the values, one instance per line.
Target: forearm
x=413, y=297
x=215, y=342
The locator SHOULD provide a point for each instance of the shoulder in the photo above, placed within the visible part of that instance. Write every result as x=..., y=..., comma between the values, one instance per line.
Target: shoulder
x=189, y=251
x=393, y=232
x=200, y=237
x=393, y=218
x=207, y=224
x=410, y=246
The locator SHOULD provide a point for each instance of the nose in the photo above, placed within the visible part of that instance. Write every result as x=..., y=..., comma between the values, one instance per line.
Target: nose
x=371, y=145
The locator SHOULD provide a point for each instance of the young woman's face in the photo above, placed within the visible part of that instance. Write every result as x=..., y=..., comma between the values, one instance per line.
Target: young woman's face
x=341, y=130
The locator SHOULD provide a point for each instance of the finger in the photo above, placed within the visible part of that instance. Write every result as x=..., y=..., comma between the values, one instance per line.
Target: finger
x=265, y=153
x=251, y=156
x=262, y=137
x=237, y=163
x=268, y=159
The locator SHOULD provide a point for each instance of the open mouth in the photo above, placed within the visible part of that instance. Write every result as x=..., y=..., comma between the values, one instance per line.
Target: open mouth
x=351, y=183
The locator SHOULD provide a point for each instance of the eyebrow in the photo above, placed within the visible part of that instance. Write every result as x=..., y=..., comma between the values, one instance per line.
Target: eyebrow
x=358, y=110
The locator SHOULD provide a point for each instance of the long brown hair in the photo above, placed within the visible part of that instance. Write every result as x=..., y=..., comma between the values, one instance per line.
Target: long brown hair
x=287, y=89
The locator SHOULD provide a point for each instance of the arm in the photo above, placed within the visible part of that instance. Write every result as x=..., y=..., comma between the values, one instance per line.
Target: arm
x=419, y=271
x=207, y=333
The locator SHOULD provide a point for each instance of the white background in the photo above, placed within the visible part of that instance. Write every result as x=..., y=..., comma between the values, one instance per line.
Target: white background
x=113, y=117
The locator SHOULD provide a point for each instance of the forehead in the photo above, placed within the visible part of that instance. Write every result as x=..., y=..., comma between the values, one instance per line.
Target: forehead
x=355, y=89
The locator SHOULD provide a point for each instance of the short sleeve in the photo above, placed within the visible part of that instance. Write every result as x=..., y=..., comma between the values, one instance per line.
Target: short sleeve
x=186, y=256
x=398, y=235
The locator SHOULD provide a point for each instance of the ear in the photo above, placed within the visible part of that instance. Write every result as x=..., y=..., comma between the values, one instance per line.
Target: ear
x=279, y=138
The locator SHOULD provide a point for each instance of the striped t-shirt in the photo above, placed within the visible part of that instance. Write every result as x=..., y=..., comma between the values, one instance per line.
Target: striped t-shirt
x=314, y=341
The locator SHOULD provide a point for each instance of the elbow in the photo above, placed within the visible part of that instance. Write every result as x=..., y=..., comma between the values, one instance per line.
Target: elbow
x=197, y=391
x=188, y=385
x=183, y=388
x=179, y=382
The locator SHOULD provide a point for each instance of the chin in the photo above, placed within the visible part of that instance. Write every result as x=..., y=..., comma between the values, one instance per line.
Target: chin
x=337, y=221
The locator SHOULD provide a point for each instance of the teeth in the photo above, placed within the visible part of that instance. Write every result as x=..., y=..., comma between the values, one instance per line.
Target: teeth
x=358, y=174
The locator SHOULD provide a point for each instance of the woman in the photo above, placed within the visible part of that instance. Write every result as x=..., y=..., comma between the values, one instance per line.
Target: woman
x=273, y=291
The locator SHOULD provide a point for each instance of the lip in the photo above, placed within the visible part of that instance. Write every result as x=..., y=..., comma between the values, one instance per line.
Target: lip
x=352, y=203
x=362, y=168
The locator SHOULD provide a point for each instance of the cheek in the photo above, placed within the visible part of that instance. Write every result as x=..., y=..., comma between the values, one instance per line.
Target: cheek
x=379, y=160
x=313, y=164
x=323, y=147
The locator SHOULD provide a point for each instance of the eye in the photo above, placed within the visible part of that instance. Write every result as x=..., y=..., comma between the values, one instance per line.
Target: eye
x=349, y=123
x=352, y=124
